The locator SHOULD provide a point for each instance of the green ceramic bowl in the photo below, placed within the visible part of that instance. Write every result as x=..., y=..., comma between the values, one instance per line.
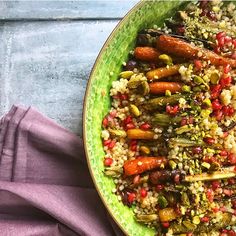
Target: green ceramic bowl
x=97, y=101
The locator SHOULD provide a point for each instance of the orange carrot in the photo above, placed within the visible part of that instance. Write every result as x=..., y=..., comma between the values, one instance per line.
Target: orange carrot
x=181, y=48
x=161, y=87
x=163, y=72
x=146, y=53
x=141, y=164
x=140, y=134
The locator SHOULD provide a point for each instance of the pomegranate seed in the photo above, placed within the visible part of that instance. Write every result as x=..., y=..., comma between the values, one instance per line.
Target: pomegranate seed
x=230, y=111
x=205, y=219
x=217, y=50
x=190, y=120
x=127, y=120
x=145, y=126
x=232, y=159
x=113, y=114
x=233, y=201
x=216, y=105
x=181, y=30
x=223, y=153
x=215, y=91
x=215, y=209
x=133, y=142
x=124, y=96
x=115, y=97
x=209, y=140
x=227, y=69
x=210, y=195
x=198, y=64
x=112, y=144
x=233, y=55
x=204, y=12
x=130, y=126
x=177, y=211
x=159, y=187
x=197, y=150
x=108, y=161
x=225, y=81
x=106, y=142
x=222, y=209
x=218, y=115
x=231, y=181
x=136, y=179
x=228, y=40
x=211, y=15
x=183, y=121
x=177, y=178
x=223, y=234
x=133, y=148
x=215, y=184
x=221, y=42
x=234, y=42
x=143, y=192
x=227, y=192
x=131, y=197
x=172, y=110
x=168, y=109
x=105, y=122
x=225, y=110
x=165, y=224
x=175, y=109
x=225, y=134
x=220, y=35
x=231, y=233
x=216, y=88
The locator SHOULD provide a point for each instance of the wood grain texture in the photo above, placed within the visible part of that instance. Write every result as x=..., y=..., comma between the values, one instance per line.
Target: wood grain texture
x=46, y=63
x=43, y=10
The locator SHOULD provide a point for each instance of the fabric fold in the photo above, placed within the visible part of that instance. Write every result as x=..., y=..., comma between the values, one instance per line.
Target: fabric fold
x=45, y=185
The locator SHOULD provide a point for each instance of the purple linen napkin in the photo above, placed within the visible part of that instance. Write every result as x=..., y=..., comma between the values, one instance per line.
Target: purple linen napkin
x=45, y=186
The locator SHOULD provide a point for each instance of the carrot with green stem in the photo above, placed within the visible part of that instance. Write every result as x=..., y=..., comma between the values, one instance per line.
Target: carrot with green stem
x=163, y=72
x=180, y=48
x=142, y=164
x=140, y=134
x=161, y=87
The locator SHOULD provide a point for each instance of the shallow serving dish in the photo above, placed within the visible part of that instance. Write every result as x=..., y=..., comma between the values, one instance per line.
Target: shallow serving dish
x=97, y=101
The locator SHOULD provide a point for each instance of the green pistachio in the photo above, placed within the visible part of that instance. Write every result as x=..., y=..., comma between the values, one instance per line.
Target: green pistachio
x=207, y=102
x=126, y=74
x=166, y=59
x=186, y=88
x=168, y=93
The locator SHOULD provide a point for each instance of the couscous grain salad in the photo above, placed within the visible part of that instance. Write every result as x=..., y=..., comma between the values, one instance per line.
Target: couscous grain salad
x=170, y=137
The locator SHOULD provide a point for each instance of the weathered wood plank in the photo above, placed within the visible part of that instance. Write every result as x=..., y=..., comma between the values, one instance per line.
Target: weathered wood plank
x=85, y=9
x=47, y=65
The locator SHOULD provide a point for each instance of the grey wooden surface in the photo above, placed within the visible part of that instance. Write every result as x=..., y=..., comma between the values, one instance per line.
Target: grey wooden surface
x=47, y=51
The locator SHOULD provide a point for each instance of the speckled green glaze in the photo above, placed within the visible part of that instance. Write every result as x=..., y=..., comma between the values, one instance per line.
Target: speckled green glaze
x=97, y=101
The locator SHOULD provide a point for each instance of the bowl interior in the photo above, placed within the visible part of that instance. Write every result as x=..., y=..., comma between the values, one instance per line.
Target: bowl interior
x=97, y=100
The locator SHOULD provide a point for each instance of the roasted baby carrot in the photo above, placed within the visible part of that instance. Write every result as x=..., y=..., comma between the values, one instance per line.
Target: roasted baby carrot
x=146, y=53
x=142, y=164
x=140, y=134
x=163, y=72
x=161, y=87
x=181, y=48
